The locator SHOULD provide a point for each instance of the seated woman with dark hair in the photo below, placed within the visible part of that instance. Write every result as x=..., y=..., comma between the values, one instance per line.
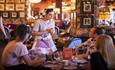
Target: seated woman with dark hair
x=15, y=55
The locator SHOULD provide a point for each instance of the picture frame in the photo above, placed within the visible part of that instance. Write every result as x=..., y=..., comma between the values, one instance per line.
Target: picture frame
x=14, y=14
x=86, y=21
x=1, y=7
x=20, y=7
x=87, y=7
x=20, y=1
x=22, y=14
x=2, y=1
x=5, y=14
x=10, y=7
x=10, y=1
x=17, y=1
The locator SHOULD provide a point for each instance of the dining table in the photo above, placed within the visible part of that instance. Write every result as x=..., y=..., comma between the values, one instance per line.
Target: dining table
x=68, y=65
x=59, y=63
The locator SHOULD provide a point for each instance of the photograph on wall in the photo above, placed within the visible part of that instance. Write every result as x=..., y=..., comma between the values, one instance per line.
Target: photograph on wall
x=17, y=1
x=86, y=21
x=20, y=1
x=87, y=7
x=1, y=7
x=13, y=14
x=10, y=1
x=2, y=1
x=21, y=14
x=9, y=7
x=20, y=7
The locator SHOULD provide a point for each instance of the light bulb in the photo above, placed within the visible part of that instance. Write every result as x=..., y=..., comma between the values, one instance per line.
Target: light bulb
x=35, y=1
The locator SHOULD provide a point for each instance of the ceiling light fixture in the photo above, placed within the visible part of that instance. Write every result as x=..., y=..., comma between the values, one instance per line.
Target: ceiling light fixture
x=35, y=1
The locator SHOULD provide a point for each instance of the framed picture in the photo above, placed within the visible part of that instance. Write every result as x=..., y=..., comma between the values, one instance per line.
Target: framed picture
x=17, y=1
x=9, y=7
x=20, y=7
x=10, y=1
x=87, y=7
x=5, y=14
x=86, y=21
x=21, y=14
x=14, y=14
x=1, y=7
x=2, y=1
x=20, y=1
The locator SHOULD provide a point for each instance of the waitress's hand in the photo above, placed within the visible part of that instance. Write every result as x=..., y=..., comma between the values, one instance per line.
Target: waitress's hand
x=50, y=51
x=50, y=30
x=37, y=61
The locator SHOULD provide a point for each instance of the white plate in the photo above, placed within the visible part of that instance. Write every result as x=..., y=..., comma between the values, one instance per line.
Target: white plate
x=81, y=61
x=50, y=65
x=70, y=67
x=52, y=62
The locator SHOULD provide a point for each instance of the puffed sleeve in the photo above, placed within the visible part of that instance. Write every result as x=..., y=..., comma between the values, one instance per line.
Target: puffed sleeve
x=36, y=26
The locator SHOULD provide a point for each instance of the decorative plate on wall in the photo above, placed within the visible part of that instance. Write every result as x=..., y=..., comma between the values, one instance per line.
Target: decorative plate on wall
x=10, y=1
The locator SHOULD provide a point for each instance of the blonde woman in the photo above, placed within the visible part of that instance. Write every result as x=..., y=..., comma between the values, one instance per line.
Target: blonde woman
x=104, y=57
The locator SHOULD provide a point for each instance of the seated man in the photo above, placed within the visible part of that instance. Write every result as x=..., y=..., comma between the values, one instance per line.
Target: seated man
x=93, y=33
